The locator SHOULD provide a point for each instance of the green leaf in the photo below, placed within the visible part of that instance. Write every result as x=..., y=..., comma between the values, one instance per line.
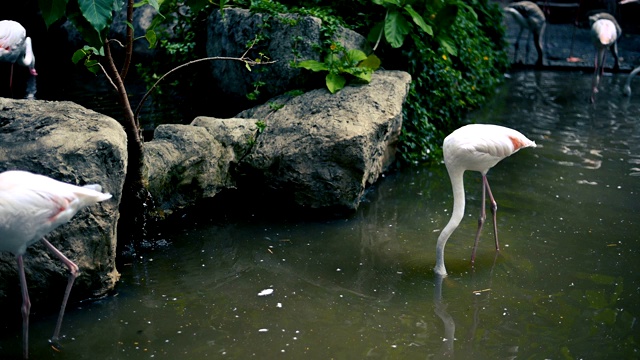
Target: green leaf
x=448, y=45
x=313, y=65
x=335, y=82
x=88, y=32
x=97, y=12
x=355, y=56
x=470, y=9
x=52, y=10
x=140, y=4
x=418, y=20
x=372, y=62
x=92, y=65
x=396, y=28
x=155, y=4
x=78, y=56
x=152, y=38
x=360, y=73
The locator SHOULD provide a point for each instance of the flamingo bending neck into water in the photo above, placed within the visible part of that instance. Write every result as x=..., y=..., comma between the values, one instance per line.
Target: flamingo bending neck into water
x=476, y=147
x=31, y=206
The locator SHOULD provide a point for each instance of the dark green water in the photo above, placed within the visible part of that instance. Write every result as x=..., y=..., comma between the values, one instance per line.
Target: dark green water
x=564, y=286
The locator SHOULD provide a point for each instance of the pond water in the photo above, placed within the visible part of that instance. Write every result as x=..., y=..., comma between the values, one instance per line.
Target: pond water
x=564, y=285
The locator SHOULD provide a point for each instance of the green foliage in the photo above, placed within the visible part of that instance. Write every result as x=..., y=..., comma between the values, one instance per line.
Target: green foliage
x=401, y=18
x=92, y=18
x=445, y=88
x=351, y=62
x=87, y=55
x=261, y=125
x=453, y=49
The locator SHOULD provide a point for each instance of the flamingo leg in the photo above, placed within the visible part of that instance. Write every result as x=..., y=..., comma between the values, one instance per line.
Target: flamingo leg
x=26, y=308
x=483, y=216
x=481, y=220
x=494, y=211
x=73, y=274
x=596, y=77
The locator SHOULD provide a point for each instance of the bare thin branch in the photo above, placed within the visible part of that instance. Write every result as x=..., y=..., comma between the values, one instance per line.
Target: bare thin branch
x=106, y=74
x=241, y=59
x=116, y=41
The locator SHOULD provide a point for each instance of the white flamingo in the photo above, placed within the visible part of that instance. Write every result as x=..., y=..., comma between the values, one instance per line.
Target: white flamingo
x=529, y=16
x=31, y=206
x=474, y=147
x=605, y=32
x=15, y=47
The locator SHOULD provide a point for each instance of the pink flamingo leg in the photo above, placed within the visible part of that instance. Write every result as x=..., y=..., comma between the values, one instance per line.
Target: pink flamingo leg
x=481, y=220
x=73, y=274
x=494, y=211
x=483, y=217
x=26, y=307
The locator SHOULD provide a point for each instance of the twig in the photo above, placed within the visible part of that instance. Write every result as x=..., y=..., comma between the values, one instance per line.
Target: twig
x=241, y=59
x=116, y=41
x=104, y=71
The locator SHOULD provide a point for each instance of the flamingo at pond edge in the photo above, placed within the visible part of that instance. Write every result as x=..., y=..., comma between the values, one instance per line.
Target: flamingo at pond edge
x=15, y=47
x=31, y=206
x=529, y=16
x=476, y=147
x=605, y=33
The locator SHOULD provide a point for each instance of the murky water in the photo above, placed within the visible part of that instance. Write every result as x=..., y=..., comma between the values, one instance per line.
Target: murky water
x=565, y=284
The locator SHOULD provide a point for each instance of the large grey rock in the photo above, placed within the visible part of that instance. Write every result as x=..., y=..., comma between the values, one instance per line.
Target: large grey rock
x=185, y=163
x=324, y=149
x=69, y=143
x=285, y=38
x=320, y=150
x=237, y=134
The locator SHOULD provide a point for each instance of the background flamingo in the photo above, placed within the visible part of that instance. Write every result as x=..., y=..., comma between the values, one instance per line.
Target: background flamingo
x=31, y=206
x=15, y=47
x=529, y=16
x=474, y=147
x=605, y=32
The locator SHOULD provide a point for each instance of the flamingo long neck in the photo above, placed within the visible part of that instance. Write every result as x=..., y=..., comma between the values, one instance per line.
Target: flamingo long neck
x=29, y=59
x=627, y=85
x=457, y=183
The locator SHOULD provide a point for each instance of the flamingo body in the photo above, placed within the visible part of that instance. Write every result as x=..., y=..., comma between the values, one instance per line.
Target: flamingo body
x=15, y=46
x=31, y=206
x=475, y=147
x=529, y=16
x=605, y=33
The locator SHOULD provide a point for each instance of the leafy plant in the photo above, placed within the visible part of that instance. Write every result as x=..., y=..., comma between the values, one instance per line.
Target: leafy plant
x=352, y=62
x=445, y=88
x=401, y=17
